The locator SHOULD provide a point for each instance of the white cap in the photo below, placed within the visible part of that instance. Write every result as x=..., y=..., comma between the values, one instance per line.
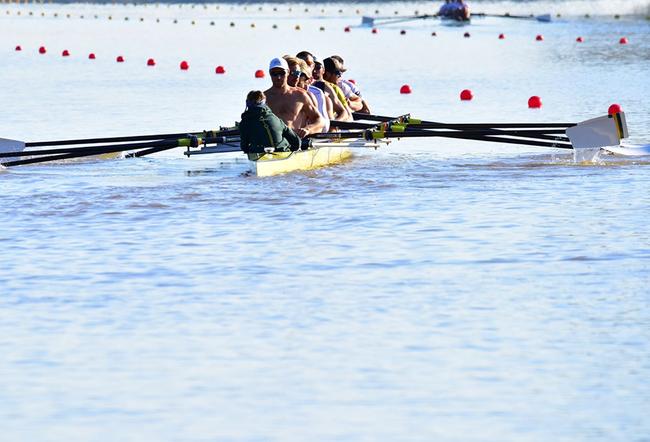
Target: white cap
x=279, y=63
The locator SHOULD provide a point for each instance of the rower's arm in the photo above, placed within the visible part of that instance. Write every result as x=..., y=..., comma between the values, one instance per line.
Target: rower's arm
x=341, y=111
x=355, y=102
x=316, y=122
x=329, y=106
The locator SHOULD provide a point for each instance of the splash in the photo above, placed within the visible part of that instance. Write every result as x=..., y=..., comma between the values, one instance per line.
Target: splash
x=590, y=155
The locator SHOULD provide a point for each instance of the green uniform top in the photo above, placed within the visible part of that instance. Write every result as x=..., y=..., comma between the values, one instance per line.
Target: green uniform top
x=260, y=128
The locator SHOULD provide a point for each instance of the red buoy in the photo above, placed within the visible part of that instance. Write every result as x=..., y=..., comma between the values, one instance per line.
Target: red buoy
x=374, y=30
x=119, y=59
x=346, y=29
x=91, y=56
x=151, y=62
x=184, y=65
x=42, y=50
x=65, y=53
x=623, y=40
x=466, y=95
x=219, y=70
x=466, y=35
x=614, y=109
x=534, y=102
x=580, y=39
x=405, y=89
x=18, y=48
x=502, y=36
x=539, y=37
x=259, y=73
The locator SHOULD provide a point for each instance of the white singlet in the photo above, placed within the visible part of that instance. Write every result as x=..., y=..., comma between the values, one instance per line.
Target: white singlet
x=322, y=108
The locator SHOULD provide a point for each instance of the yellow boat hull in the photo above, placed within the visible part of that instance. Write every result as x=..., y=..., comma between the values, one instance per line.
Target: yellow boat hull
x=277, y=163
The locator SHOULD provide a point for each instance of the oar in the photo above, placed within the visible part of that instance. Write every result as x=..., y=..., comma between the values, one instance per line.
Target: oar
x=5, y=143
x=467, y=136
x=104, y=149
x=550, y=134
x=434, y=124
x=371, y=21
x=408, y=123
x=379, y=134
x=542, y=18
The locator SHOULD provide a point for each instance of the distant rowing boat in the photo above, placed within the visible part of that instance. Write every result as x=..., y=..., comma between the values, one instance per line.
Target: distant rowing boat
x=449, y=21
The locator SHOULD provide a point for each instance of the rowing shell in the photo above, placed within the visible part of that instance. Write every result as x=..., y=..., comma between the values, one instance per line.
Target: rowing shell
x=320, y=154
x=276, y=163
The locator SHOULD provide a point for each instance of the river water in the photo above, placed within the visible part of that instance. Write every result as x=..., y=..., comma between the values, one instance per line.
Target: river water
x=432, y=290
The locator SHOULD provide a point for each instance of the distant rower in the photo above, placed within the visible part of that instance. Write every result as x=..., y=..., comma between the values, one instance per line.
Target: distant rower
x=456, y=10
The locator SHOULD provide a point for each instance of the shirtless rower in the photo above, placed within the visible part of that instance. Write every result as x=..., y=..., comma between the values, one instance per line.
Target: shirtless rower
x=341, y=110
x=300, y=76
x=292, y=105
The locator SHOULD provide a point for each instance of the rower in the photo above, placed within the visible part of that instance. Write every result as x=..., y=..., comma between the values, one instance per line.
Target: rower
x=292, y=105
x=298, y=74
x=461, y=11
x=331, y=75
x=445, y=9
x=351, y=91
x=323, y=102
x=338, y=110
x=261, y=129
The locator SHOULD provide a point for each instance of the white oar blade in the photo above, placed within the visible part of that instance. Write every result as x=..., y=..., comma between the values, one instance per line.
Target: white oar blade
x=7, y=145
x=598, y=132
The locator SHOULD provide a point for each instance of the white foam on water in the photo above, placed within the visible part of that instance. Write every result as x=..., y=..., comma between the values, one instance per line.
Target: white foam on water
x=588, y=155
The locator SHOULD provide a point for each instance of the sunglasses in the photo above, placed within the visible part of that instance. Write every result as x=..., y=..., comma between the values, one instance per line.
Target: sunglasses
x=295, y=73
x=337, y=73
x=278, y=74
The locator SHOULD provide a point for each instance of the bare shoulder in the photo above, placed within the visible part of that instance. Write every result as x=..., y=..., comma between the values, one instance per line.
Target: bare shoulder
x=300, y=94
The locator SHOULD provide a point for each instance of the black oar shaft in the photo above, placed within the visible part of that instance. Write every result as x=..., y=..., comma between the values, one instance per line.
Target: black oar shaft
x=477, y=137
x=90, y=151
x=105, y=140
x=435, y=124
x=554, y=135
x=81, y=150
x=127, y=138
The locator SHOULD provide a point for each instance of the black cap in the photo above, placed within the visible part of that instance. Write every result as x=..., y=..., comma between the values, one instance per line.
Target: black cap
x=331, y=65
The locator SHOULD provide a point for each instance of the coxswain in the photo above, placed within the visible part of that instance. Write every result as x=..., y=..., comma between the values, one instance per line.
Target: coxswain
x=292, y=105
x=261, y=129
